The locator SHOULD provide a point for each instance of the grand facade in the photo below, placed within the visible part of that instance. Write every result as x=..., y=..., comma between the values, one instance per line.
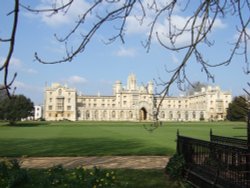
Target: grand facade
x=134, y=103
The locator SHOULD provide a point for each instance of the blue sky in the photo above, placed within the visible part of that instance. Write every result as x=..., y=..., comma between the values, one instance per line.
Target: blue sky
x=101, y=65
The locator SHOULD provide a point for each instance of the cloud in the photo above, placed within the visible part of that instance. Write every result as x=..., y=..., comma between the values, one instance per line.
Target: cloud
x=23, y=87
x=73, y=80
x=178, y=22
x=16, y=65
x=62, y=17
x=129, y=52
x=31, y=71
x=135, y=27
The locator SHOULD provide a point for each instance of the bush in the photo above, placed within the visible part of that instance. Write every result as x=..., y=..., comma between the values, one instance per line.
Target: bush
x=11, y=175
x=175, y=167
x=58, y=176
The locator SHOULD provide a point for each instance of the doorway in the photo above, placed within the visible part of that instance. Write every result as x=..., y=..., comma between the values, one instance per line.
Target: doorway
x=143, y=114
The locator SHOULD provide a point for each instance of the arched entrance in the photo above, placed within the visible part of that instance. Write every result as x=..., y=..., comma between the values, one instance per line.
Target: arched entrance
x=143, y=114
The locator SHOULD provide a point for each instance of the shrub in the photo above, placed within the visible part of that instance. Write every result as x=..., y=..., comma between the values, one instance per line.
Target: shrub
x=11, y=175
x=175, y=167
x=58, y=176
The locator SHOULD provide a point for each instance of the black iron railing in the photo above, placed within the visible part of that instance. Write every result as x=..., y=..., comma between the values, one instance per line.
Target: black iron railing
x=219, y=163
x=228, y=140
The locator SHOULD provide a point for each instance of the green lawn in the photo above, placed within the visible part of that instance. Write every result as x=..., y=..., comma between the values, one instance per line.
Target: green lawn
x=103, y=138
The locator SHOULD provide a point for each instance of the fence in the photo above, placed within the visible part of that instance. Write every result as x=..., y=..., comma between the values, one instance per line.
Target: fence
x=228, y=140
x=221, y=162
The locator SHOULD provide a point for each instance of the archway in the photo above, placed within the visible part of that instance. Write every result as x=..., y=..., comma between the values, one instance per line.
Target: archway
x=143, y=114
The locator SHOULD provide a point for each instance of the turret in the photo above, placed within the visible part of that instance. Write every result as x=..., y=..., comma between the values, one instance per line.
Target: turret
x=117, y=87
x=151, y=87
x=131, y=83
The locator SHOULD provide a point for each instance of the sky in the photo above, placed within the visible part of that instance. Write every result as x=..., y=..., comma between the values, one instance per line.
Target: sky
x=100, y=65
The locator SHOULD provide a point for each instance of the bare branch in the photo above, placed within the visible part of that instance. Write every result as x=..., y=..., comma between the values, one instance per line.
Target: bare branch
x=5, y=66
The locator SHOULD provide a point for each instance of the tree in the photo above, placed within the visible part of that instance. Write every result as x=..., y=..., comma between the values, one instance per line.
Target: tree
x=15, y=108
x=202, y=18
x=3, y=94
x=238, y=109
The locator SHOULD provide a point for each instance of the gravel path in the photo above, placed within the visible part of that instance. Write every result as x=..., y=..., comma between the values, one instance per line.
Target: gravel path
x=132, y=162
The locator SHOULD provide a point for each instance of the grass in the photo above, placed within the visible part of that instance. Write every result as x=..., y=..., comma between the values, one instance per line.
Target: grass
x=103, y=138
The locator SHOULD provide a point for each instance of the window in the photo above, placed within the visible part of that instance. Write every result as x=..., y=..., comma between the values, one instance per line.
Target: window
x=96, y=114
x=124, y=102
x=170, y=115
x=186, y=115
x=87, y=114
x=104, y=114
x=162, y=114
x=68, y=107
x=121, y=114
x=60, y=104
x=179, y=115
x=50, y=107
x=194, y=115
x=113, y=114
x=201, y=116
x=130, y=114
x=50, y=99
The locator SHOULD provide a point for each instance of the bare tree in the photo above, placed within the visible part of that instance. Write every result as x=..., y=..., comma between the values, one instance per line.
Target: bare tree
x=200, y=22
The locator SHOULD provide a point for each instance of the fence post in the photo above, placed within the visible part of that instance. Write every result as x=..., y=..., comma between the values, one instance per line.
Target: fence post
x=177, y=142
x=248, y=150
x=211, y=133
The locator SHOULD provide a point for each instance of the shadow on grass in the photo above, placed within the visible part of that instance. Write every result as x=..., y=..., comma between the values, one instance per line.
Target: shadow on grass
x=27, y=124
x=76, y=147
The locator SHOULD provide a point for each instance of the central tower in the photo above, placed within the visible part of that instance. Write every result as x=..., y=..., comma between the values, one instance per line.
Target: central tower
x=131, y=83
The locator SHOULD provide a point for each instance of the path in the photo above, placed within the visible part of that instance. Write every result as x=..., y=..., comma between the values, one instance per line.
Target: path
x=132, y=162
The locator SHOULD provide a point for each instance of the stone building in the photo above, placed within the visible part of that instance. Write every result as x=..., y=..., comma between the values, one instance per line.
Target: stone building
x=134, y=103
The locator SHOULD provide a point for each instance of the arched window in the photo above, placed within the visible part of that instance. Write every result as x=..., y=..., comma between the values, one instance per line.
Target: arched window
x=178, y=115
x=162, y=114
x=170, y=115
x=104, y=114
x=121, y=114
x=186, y=115
x=130, y=115
x=87, y=114
x=201, y=116
x=113, y=114
x=194, y=115
x=96, y=115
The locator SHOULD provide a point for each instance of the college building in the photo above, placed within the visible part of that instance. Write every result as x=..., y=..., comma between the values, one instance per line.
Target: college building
x=134, y=103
